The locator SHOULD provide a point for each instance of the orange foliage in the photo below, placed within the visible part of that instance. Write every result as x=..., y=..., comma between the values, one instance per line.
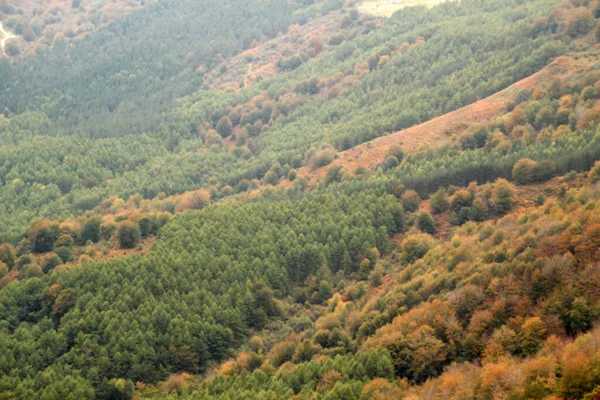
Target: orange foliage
x=500, y=380
x=193, y=200
x=587, y=247
x=177, y=383
x=380, y=389
x=328, y=380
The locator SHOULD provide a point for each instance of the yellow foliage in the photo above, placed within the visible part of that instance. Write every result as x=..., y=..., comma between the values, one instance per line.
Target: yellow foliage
x=228, y=368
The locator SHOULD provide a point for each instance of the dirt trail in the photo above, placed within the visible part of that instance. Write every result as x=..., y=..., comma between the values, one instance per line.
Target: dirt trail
x=440, y=130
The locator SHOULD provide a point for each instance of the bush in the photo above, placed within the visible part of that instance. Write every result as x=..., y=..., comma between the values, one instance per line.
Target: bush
x=504, y=196
x=107, y=230
x=523, y=171
x=580, y=22
x=224, y=127
x=42, y=235
x=195, y=200
x=12, y=48
x=65, y=253
x=128, y=234
x=281, y=352
x=594, y=174
x=395, y=151
x=32, y=270
x=91, y=229
x=3, y=270
x=425, y=222
x=334, y=174
x=8, y=255
x=324, y=157
x=415, y=246
x=24, y=260
x=50, y=262
x=64, y=241
x=390, y=163
x=145, y=224
x=271, y=178
x=292, y=175
x=438, y=203
x=410, y=200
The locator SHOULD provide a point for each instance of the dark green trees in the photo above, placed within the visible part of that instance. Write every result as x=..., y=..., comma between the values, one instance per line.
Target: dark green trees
x=91, y=229
x=224, y=127
x=128, y=234
x=42, y=234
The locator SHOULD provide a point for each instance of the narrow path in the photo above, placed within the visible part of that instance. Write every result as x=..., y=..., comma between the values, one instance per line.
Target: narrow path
x=6, y=36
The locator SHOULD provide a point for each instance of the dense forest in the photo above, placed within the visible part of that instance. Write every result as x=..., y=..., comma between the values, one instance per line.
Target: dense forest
x=281, y=121
x=180, y=219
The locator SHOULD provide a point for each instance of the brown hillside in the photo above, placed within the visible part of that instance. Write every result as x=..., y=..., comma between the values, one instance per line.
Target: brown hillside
x=440, y=130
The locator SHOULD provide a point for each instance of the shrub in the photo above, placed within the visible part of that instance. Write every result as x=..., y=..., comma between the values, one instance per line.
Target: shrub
x=438, y=203
x=395, y=151
x=50, y=262
x=128, y=234
x=410, y=200
x=42, y=235
x=594, y=174
x=425, y=222
x=64, y=241
x=415, y=246
x=580, y=22
x=390, y=163
x=271, y=178
x=324, y=157
x=504, y=196
x=65, y=253
x=8, y=255
x=224, y=127
x=107, y=230
x=145, y=224
x=91, y=229
x=523, y=171
x=281, y=352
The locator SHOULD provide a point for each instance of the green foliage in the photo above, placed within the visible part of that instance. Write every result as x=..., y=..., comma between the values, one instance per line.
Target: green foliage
x=425, y=222
x=146, y=225
x=334, y=174
x=532, y=336
x=324, y=157
x=116, y=108
x=64, y=240
x=128, y=234
x=8, y=254
x=224, y=127
x=504, y=196
x=390, y=163
x=117, y=116
x=65, y=253
x=91, y=229
x=210, y=277
x=410, y=200
x=594, y=174
x=415, y=246
x=396, y=152
x=438, y=201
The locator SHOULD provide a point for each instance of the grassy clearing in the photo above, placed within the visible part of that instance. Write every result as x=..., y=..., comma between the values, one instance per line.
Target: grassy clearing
x=385, y=8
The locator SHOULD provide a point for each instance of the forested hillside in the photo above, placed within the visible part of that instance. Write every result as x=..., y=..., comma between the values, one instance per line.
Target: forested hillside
x=371, y=82
x=186, y=212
